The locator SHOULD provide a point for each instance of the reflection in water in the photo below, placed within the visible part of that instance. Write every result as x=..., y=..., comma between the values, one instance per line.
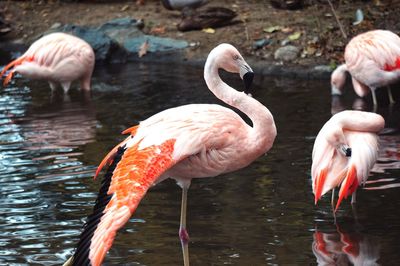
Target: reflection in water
x=344, y=247
x=261, y=215
x=38, y=142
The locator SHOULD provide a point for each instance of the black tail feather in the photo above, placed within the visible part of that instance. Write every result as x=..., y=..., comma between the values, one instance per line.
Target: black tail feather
x=81, y=256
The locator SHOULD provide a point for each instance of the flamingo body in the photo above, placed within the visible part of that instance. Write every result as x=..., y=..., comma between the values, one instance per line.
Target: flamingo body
x=331, y=167
x=59, y=58
x=191, y=141
x=373, y=60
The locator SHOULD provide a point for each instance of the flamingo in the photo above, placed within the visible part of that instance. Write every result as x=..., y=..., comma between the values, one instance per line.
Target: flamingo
x=344, y=152
x=190, y=141
x=373, y=60
x=58, y=58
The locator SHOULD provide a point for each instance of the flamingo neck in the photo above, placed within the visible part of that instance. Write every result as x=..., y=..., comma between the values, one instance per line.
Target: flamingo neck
x=262, y=133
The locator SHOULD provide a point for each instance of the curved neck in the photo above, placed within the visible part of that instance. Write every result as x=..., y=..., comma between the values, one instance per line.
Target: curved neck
x=263, y=132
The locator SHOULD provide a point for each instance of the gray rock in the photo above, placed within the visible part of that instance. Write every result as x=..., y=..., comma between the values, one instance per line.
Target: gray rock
x=287, y=53
x=156, y=44
x=120, y=39
x=122, y=29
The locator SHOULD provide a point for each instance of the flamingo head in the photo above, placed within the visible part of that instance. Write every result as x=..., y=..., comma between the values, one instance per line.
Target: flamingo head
x=338, y=79
x=228, y=58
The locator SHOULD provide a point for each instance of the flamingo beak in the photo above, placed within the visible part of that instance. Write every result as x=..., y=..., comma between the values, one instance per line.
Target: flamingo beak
x=246, y=73
x=345, y=150
x=248, y=80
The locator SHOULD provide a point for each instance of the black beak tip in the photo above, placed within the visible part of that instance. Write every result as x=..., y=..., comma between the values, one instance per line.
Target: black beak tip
x=248, y=80
x=348, y=152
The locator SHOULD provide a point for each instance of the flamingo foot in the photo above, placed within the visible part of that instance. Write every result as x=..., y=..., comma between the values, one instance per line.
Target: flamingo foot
x=183, y=235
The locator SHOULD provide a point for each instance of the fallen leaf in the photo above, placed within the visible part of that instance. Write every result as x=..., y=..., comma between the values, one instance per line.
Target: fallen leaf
x=310, y=50
x=294, y=36
x=209, y=30
x=143, y=48
x=287, y=30
x=124, y=8
x=272, y=29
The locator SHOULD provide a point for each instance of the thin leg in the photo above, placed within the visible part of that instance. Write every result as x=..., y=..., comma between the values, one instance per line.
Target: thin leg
x=353, y=198
x=185, y=253
x=52, y=85
x=353, y=206
x=374, y=98
x=65, y=86
x=183, y=234
x=390, y=95
x=333, y=205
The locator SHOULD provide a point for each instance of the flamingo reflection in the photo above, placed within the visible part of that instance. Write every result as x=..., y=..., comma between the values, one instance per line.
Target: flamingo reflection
x=344, y=248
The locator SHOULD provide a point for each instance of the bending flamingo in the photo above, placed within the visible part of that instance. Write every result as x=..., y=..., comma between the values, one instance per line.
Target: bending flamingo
x=190, y=141
x=344, y=152
x=373, y=60
x=59, y=58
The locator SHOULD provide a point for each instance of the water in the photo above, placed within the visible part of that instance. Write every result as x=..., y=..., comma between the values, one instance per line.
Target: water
x=261, y=215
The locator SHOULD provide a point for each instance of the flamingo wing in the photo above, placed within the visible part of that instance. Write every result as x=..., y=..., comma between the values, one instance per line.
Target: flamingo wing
x=130, y=174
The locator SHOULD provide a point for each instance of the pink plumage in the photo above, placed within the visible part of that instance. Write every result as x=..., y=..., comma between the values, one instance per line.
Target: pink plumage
x=373, y=60
x=344, y=152
x=191, y=141
x=58, y=58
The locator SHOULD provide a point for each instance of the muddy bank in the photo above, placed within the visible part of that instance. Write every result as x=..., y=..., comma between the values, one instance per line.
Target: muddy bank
x=261, y=30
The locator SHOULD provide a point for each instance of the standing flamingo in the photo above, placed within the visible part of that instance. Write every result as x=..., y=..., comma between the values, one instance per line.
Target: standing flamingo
x=190, y=141
x=344, y=152
x=57, y=58
x=373, y=60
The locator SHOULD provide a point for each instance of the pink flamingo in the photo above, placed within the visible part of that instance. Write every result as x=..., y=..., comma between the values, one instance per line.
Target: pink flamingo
x=344, y=152
x=57, y=58
x=373, y=60
x=190, y=141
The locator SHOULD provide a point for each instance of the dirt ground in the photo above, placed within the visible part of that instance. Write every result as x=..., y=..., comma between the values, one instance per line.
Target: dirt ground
x=312, y=28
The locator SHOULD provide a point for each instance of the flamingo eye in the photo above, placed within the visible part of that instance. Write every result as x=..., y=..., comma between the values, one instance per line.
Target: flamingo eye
x=235, y=57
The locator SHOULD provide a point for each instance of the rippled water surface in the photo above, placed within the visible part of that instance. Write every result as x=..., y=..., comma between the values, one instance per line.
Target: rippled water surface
x=261, y=215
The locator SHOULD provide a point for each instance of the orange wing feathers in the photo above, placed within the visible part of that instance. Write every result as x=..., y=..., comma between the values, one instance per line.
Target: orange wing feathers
x=108, y=158
x=131, y=173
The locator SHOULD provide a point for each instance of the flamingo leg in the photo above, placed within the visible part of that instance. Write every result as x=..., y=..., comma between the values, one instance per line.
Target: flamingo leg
x=183, y=234
x=374, y=98
x=353, y=198
x=52, y=85
x=65, y=86
x=390, y=95
x=333, y=205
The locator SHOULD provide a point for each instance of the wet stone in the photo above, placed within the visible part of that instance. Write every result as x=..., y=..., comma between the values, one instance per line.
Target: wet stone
x=287, y=53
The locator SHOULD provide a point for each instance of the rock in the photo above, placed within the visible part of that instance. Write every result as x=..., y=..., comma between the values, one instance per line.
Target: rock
x=258, y=44
x=121, y=29
x=287, y=53
x=119, y=40
x=156, y=44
